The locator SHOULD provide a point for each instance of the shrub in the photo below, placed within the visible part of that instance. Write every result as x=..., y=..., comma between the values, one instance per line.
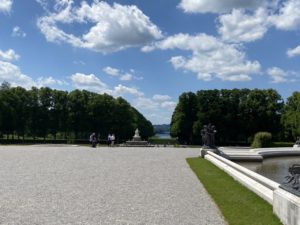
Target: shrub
x=261, y=140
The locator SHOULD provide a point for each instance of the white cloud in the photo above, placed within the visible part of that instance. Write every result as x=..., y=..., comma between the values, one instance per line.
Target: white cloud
x=158, y=118
x=123, y=76
x=49, y=81
x=123, y=90
x=161, y=97
x=169, y=105
x=294, y=52
x=158, y=109
x=238, y=26
x=210, y=57
x=112, y=28
x=5, y=5
x=280, y=76
x=88, y=82
x=145, y=103
x=9, y=55
x=12, y=74
x=241, y=77
x=18, y=32
x=217, y=6
x=126, y=77
x=111, y=71
x=288, y=17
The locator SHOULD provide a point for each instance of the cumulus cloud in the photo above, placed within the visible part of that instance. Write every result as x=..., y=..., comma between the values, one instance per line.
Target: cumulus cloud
x=161, y=97
x=12, y=74
x=9, y=55
x=169, y=105
x=5, y=5
x=126, y=77
x=211, y=57
x=278, y=75
x=123, y=76
x=247, y=21
x=294, y=52
x=18, y=32
x=146, y=103
x=88, y=82
x=111, y=71
x=238, y=26
x=49, y=81
x=121, y=90
x=288, y=17
x=158, y=109
x=217, y=6
x=112, y=28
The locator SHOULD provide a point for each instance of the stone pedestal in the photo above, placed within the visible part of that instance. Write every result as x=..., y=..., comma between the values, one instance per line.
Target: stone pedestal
x=137, y=141
x=287, y=207
x=204, y=150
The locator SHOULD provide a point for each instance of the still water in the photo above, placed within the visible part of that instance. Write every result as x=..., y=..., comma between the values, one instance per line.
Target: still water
x=163, y=135
x=273, y=168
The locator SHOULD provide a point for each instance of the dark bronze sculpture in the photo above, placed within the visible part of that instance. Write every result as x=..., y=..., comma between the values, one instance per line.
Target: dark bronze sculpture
x=292, y=182
x=208, y=136
x=298, y=141
x=208, y=140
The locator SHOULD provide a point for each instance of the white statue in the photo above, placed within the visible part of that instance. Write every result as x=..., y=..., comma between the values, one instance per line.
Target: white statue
x=136, y=133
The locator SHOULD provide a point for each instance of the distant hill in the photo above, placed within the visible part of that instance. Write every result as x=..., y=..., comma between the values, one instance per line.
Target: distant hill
x=161, y=128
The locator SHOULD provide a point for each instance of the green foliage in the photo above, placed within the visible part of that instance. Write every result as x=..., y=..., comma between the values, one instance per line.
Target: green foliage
x=74, y=115
x=184, y=116
x=282, y=144
x=261, y=140
x=238, y=204
x=291, y=117
x=163, y=141
x=237, y=114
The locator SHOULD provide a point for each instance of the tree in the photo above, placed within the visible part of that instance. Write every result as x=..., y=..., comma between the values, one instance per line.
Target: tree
x=59, y=113
x=78, y=116
x=145, y=126
x=237, y=114
x=40, y=112
x=21, y=105
x=291, y=116
x=184, y=117
x=34, y=112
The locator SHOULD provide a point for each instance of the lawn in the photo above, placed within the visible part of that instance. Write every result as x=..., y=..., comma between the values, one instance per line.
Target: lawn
x=238, y=205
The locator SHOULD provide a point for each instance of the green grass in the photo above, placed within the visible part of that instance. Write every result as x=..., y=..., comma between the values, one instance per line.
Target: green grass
x=238, y=205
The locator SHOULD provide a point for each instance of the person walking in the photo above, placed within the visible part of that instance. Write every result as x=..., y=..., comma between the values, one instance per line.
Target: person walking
x=109, y=140
x=93, y=140
x=113, y=138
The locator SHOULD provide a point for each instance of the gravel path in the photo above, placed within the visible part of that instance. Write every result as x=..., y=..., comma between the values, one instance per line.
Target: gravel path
x=42, y=185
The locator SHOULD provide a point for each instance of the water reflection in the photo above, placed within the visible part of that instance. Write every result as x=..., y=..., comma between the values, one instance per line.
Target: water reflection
x=274, y=168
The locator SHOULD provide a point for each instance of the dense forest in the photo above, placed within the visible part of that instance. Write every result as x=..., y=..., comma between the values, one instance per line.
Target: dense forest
x=237, y=114
x=46, y=112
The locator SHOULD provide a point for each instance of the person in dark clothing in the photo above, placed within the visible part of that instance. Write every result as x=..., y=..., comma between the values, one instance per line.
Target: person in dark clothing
x=93, y=140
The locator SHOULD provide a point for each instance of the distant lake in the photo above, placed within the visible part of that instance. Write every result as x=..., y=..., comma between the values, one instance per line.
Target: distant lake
x=163, y=135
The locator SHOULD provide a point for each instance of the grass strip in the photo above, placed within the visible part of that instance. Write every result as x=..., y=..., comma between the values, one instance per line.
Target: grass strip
x=238, y=205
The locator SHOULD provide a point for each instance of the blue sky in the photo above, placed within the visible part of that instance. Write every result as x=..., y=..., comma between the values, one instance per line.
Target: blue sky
x=150, y=52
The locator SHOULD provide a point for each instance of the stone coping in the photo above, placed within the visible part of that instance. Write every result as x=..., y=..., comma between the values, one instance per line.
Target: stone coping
x=248, y=154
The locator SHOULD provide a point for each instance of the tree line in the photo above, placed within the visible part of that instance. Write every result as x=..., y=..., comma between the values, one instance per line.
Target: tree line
x=44, y=112
x=237, y=114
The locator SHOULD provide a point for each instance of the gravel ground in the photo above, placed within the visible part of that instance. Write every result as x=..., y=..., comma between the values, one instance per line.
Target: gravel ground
x=51, y=185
